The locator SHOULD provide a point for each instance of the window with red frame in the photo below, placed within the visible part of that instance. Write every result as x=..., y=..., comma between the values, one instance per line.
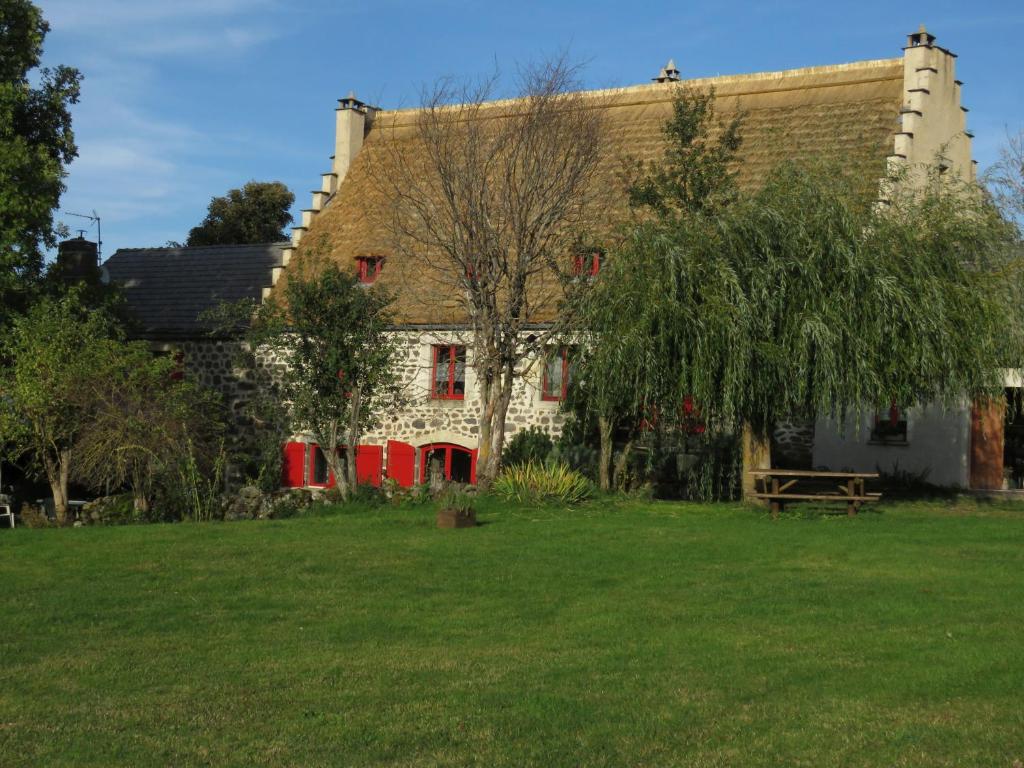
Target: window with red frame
x=587, y=264
x=448, y=374
x=557, y=373
x=890, y=428
x=369, y=268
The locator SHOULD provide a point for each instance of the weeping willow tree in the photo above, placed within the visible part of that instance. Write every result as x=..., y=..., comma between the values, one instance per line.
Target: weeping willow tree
x=801, y=299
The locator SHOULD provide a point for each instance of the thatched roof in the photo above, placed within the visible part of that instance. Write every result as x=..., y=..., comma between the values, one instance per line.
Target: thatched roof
x=849, y=111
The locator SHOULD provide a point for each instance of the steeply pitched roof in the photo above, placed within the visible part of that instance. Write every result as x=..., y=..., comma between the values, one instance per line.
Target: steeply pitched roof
x=850, y=111
x=168, y=288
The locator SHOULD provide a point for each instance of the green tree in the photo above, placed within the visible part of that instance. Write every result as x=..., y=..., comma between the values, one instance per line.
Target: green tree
x=799, y=299
x=696, y=173
x=694, y=181
x=146, y=420
x=1005, y=179
x=53, y=353
x=256, y=213
x=36, y=145
x=332, y=333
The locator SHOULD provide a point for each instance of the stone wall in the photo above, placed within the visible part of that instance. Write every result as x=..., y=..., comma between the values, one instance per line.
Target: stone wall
x=214, y=363
x=424, y=419
x=420, y=421
x=793, y=444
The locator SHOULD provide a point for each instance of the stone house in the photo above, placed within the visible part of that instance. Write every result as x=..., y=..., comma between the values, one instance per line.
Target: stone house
x=168, y=290
x=878, y=115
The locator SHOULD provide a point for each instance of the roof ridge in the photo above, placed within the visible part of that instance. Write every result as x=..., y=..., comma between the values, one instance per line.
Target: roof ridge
x=712, y=81
x=277, y=243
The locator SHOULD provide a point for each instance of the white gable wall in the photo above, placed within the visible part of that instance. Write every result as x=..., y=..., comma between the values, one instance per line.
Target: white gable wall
x=938, y=441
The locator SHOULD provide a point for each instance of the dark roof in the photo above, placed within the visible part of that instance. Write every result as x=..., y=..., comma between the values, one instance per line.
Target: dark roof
x=168, y=288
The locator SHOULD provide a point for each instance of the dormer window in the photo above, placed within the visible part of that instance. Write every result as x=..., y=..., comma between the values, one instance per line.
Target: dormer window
x=587, y=264
x=369, y=268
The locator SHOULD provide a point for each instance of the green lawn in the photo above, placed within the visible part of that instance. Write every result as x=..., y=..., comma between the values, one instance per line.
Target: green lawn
x=648, y=634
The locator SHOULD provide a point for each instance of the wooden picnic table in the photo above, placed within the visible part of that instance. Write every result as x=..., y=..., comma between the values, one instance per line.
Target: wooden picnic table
x=774, y=486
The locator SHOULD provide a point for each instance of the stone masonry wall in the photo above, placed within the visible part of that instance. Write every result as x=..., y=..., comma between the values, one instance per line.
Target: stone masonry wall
x=427, y=420
x=422, y=420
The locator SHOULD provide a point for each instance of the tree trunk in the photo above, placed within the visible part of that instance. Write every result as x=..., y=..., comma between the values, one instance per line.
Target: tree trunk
x=329, y=446
x=484, y=447
x=496, y=394
x=353, y=436
x=757, y=454
x=57, y=477
x=604, y=466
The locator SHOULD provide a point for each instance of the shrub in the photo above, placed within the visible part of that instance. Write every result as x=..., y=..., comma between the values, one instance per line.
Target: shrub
x=538, y=483
x=577, y=446
x=528, y=445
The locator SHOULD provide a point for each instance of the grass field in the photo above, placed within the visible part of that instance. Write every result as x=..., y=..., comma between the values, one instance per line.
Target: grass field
x=621, y=634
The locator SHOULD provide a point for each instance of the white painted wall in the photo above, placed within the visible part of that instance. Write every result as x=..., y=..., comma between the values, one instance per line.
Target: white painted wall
x=938, y=440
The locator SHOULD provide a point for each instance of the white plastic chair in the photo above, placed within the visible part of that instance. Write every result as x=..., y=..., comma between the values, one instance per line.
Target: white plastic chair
x=6, y=510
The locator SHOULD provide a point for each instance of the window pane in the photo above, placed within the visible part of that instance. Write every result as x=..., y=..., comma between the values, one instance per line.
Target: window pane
x=462, y=462
x=570, y=368
x=441, y=369
x=459, y=385
x=319, y=467
x=553, y=375
x=434, y=471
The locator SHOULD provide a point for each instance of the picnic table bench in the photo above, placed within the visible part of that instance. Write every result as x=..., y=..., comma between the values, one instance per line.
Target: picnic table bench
x=777, y=487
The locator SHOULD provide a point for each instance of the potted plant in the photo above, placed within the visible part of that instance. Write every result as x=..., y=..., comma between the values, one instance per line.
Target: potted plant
x=456, y=509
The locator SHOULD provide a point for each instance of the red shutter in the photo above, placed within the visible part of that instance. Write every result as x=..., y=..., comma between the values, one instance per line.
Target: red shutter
x=369, y=462
x=401, y=463
x=293, y=465
x=472, y=466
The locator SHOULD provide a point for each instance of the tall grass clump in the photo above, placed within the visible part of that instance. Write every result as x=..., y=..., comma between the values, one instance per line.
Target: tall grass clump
x=536, y=483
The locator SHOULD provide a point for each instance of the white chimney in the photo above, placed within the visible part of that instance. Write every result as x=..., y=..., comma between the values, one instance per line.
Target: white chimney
x=351, y=121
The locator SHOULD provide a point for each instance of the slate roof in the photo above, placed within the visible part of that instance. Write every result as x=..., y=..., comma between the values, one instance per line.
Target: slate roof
x=847, y=110
x=168, y=288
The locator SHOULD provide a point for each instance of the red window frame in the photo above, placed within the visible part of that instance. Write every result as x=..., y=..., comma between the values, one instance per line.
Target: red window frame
x=545, y=387
x=448, y=449
x=369, y=268
x=453, y=353
x=580, y=266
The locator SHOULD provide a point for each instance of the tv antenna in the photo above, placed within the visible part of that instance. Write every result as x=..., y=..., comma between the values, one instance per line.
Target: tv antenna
x=95, y=217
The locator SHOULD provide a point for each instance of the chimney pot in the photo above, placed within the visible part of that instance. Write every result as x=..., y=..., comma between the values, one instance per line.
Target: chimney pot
x=919, y=38
x=668, y=74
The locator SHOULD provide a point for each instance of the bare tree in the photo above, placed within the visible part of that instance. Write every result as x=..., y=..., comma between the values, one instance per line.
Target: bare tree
x=488, y=201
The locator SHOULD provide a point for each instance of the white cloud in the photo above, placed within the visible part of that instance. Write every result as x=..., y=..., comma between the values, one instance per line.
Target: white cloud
x=106, y=14
x=144, y=168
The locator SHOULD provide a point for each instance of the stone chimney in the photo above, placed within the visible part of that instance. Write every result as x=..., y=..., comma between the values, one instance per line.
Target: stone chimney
x=77, y=260
x=669, y=73
x=352, y=120
x=933, y=121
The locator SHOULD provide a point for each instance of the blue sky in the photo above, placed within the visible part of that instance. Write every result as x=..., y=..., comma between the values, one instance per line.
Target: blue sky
x=184, y=99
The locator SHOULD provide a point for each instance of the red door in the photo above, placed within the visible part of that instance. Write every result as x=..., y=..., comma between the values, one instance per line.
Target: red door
x=401, y=463
x=369, y=462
